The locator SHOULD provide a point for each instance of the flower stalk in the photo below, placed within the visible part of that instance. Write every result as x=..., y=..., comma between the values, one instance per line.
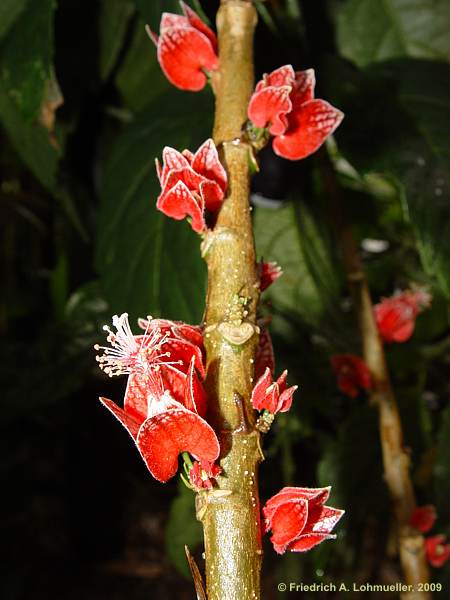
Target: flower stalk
x=231, y=514
x=396, y=462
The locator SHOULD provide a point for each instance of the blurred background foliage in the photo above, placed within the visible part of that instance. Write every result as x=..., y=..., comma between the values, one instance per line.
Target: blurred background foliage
x=84, y=110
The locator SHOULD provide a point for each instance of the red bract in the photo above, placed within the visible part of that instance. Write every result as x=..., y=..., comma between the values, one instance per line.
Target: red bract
x=352, y=374
x=284, y=102
x=191, y=183
x=423, y=518
x=201, y=473
x=272, y=396
x=396, y=316
x=298, y=518
x=268, y=273
x=164, y=398
x=437, y=550
x=187, y=48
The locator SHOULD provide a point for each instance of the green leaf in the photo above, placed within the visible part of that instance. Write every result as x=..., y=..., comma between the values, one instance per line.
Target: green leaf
x=114, y=20
x=310, y=285
x=140, y=79
x=182, y=529
x=9, y=12
x=150, y=264
x=408, y=139
x=370, y=31
x=26, y=57
x=31, y=141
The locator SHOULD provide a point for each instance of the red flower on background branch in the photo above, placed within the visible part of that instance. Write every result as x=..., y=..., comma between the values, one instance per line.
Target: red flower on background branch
x=423, y=518
x=187, y=49
x=161, y=426
x=396, y=316
x=352, y=374
x=298, y=518
x=191, y=183
x=437, y=550
x=283, y=102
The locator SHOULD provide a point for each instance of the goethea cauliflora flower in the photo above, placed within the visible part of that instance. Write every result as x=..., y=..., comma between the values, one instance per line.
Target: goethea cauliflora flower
x=352, y=374
x=191, y=183
x=284, y=103
x=437, y=550
x=187, y=49
x=423, y=518
x=162, y=404
x=298, y=518
x=272, y=396
x=396, y=316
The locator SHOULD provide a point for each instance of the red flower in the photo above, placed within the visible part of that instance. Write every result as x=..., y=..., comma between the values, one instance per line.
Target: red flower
x=352, y=374
x=437, y=550
x=268, y=273
x=272, y=396
x=396, y=316
x=298, y=518
x=187, y=48
x=284, y=102
x=162, y=404
x=423, y=518
x=201, y=473
x=191, y=183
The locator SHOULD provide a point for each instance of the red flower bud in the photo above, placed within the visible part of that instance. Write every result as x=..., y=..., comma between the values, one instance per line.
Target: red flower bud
x=352, y=374
x=396, y=316
x=186, y=48
x=268, y=273
x=201, y=473
x=298, y=518
x=283, y=102
x=272, y=396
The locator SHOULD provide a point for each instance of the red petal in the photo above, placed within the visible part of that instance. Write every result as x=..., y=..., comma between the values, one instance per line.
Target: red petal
x=174, y=381
x=182, y=54
x=172, y=160
x=179, y=202
x=264, y=358
x=281, y=381
x=270, y=105
x=196, y=22
x=308, y=541
x=282, y=76
x=322, y=519
x=131, y=424
x=309, y=127
x=184, y=351
x=162, y=438
x=314, y=495
x=305, y=82
x=194, y=394
x=212, y=195
x=289, y=521
x=169, y=20
x=285, y=400
x=135, y=402
x=437, y=550
x=260, y=389
x=206, y=162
